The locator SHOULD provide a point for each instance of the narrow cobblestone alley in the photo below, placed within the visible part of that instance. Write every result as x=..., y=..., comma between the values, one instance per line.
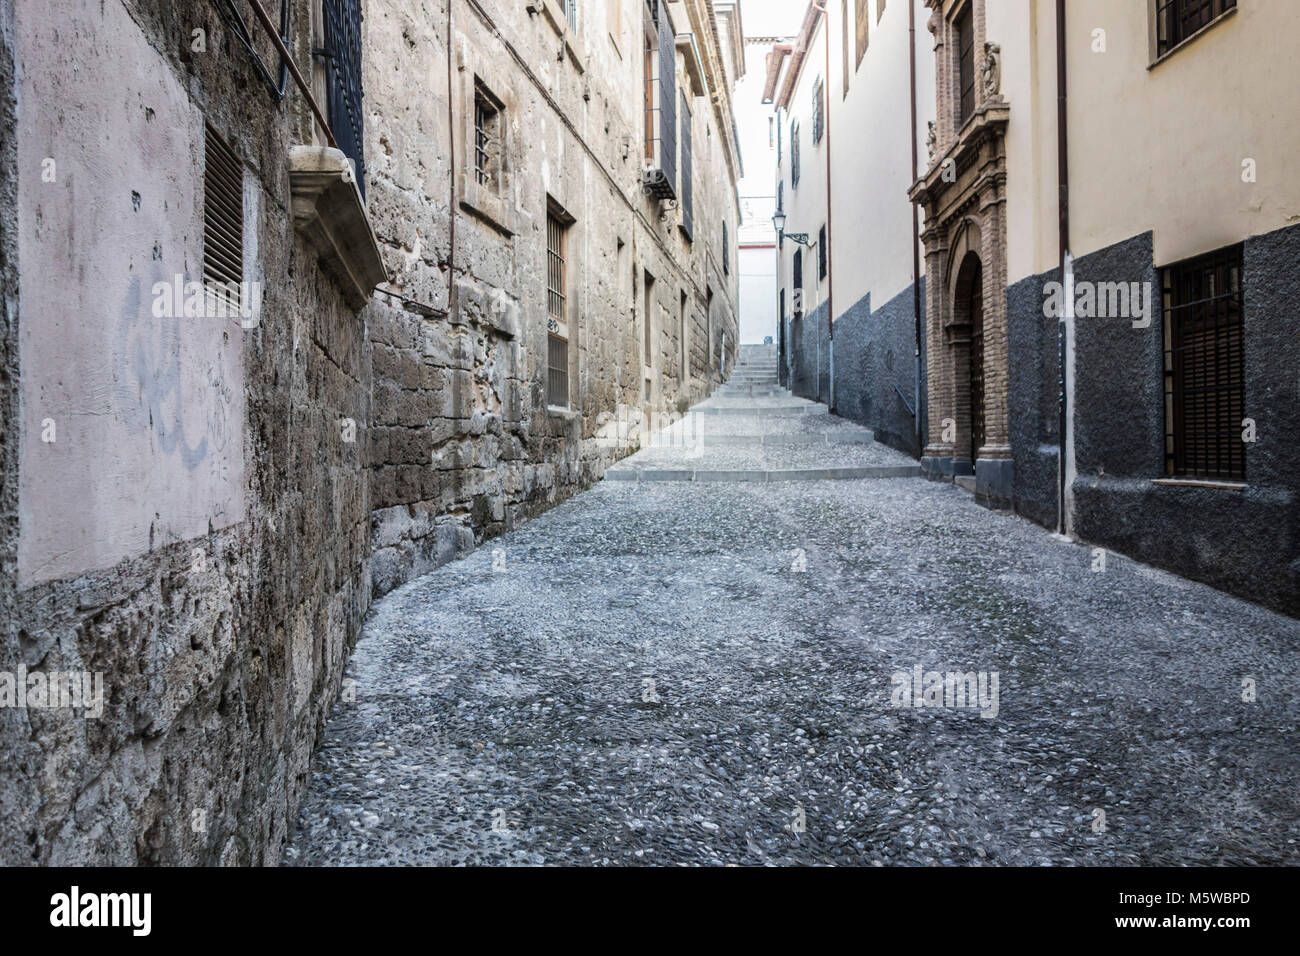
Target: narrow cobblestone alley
x=697, y=668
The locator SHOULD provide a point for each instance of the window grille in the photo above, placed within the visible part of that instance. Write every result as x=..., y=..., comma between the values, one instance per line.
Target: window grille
x=1205, y=387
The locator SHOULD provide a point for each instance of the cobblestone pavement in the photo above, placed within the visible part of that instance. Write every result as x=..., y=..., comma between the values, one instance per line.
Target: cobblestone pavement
x=704, y=673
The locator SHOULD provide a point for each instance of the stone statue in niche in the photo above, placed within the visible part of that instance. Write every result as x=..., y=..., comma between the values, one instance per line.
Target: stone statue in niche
x=932, y=140
x=991, y=71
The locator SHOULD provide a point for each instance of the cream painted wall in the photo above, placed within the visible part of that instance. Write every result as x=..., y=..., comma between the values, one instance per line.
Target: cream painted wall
x=1162, y=148
x=871, y=164
x=1026, y=32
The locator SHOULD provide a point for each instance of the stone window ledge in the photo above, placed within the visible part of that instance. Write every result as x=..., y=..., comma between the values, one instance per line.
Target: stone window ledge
x=1200, y=483
x=329, y=213
x=553, y=13
x=1187, y=41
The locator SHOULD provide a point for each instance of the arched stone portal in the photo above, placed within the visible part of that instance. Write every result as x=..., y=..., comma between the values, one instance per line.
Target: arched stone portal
x=963, y=195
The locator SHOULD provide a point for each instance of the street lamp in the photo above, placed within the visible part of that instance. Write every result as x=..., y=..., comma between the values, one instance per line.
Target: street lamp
x=778, y=223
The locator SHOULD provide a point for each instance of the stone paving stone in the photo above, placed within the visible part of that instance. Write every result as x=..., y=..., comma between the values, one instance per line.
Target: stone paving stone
x=707, y=673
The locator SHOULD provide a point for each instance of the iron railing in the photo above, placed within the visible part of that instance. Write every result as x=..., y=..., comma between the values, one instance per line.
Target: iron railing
x=342, y=55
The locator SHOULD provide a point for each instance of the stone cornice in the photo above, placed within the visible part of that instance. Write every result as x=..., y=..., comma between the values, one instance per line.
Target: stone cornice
x=989, y=121
x=329, y=213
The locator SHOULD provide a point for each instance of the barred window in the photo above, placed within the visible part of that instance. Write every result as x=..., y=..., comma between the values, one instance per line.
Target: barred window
x=821, y=253
x=660, y=85
x=342, y=55
x=1176, y=20
x=487, y=140
x=557, y=377
x=966, y=63
x=688, y=172
x=794, y=155
x=797, y=282
x=1205, y=389
x=819, y=112
x=726, y=250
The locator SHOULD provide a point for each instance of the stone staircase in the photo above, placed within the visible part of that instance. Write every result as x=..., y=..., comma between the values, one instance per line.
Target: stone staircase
x=752, y=429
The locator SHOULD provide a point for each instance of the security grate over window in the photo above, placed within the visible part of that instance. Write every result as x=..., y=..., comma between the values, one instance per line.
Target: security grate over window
x=557, y=377
x=819, y=112
x=342, y=22
x=555, y=267
x=797, y=282
x=487, y=141
x=688, y=187
x=660, y=84
x=1205, y=382
x=794, y=155
x=821, y=253
x=223, y=219
x=1176, y=20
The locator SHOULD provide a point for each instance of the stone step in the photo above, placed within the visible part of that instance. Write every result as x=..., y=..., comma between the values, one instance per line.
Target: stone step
x=770, y=411
x=789, y=474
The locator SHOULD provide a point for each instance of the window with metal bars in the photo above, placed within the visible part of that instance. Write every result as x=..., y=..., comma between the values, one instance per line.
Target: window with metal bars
x=794, y=155
x=1205, y=387
x=557, y=372
x=1176, y=20
x=223, y=220
x=660, y=180
x=726, y=250
x=821, y=253
x=797, y=282
x=965, y=27
x=818, y=112
x=487, y=140
x=555, y=268
x=571, y=13
x=342, y=54
x=688, y=185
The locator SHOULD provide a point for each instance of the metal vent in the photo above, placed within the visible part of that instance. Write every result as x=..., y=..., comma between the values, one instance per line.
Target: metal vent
x=223, y=218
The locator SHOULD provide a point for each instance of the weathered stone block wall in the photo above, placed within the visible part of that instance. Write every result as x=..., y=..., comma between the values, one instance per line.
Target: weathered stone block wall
x=219, y=652
x=463, y=445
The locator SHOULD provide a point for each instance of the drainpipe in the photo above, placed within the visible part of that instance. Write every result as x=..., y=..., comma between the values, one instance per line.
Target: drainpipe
x=830, y=271
x=916, y=232
x=451, y=154
x=1065, y=335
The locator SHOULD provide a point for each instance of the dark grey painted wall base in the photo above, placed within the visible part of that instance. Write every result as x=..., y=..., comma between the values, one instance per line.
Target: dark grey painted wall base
x=875, y=367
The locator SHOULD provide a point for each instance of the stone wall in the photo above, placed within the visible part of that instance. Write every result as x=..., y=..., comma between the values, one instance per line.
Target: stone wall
x=219, y=652
x=463, y=445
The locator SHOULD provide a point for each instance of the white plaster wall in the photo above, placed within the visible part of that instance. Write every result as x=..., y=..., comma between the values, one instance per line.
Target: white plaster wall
x=871, y=161
x=805, y=207
x=148, y=411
